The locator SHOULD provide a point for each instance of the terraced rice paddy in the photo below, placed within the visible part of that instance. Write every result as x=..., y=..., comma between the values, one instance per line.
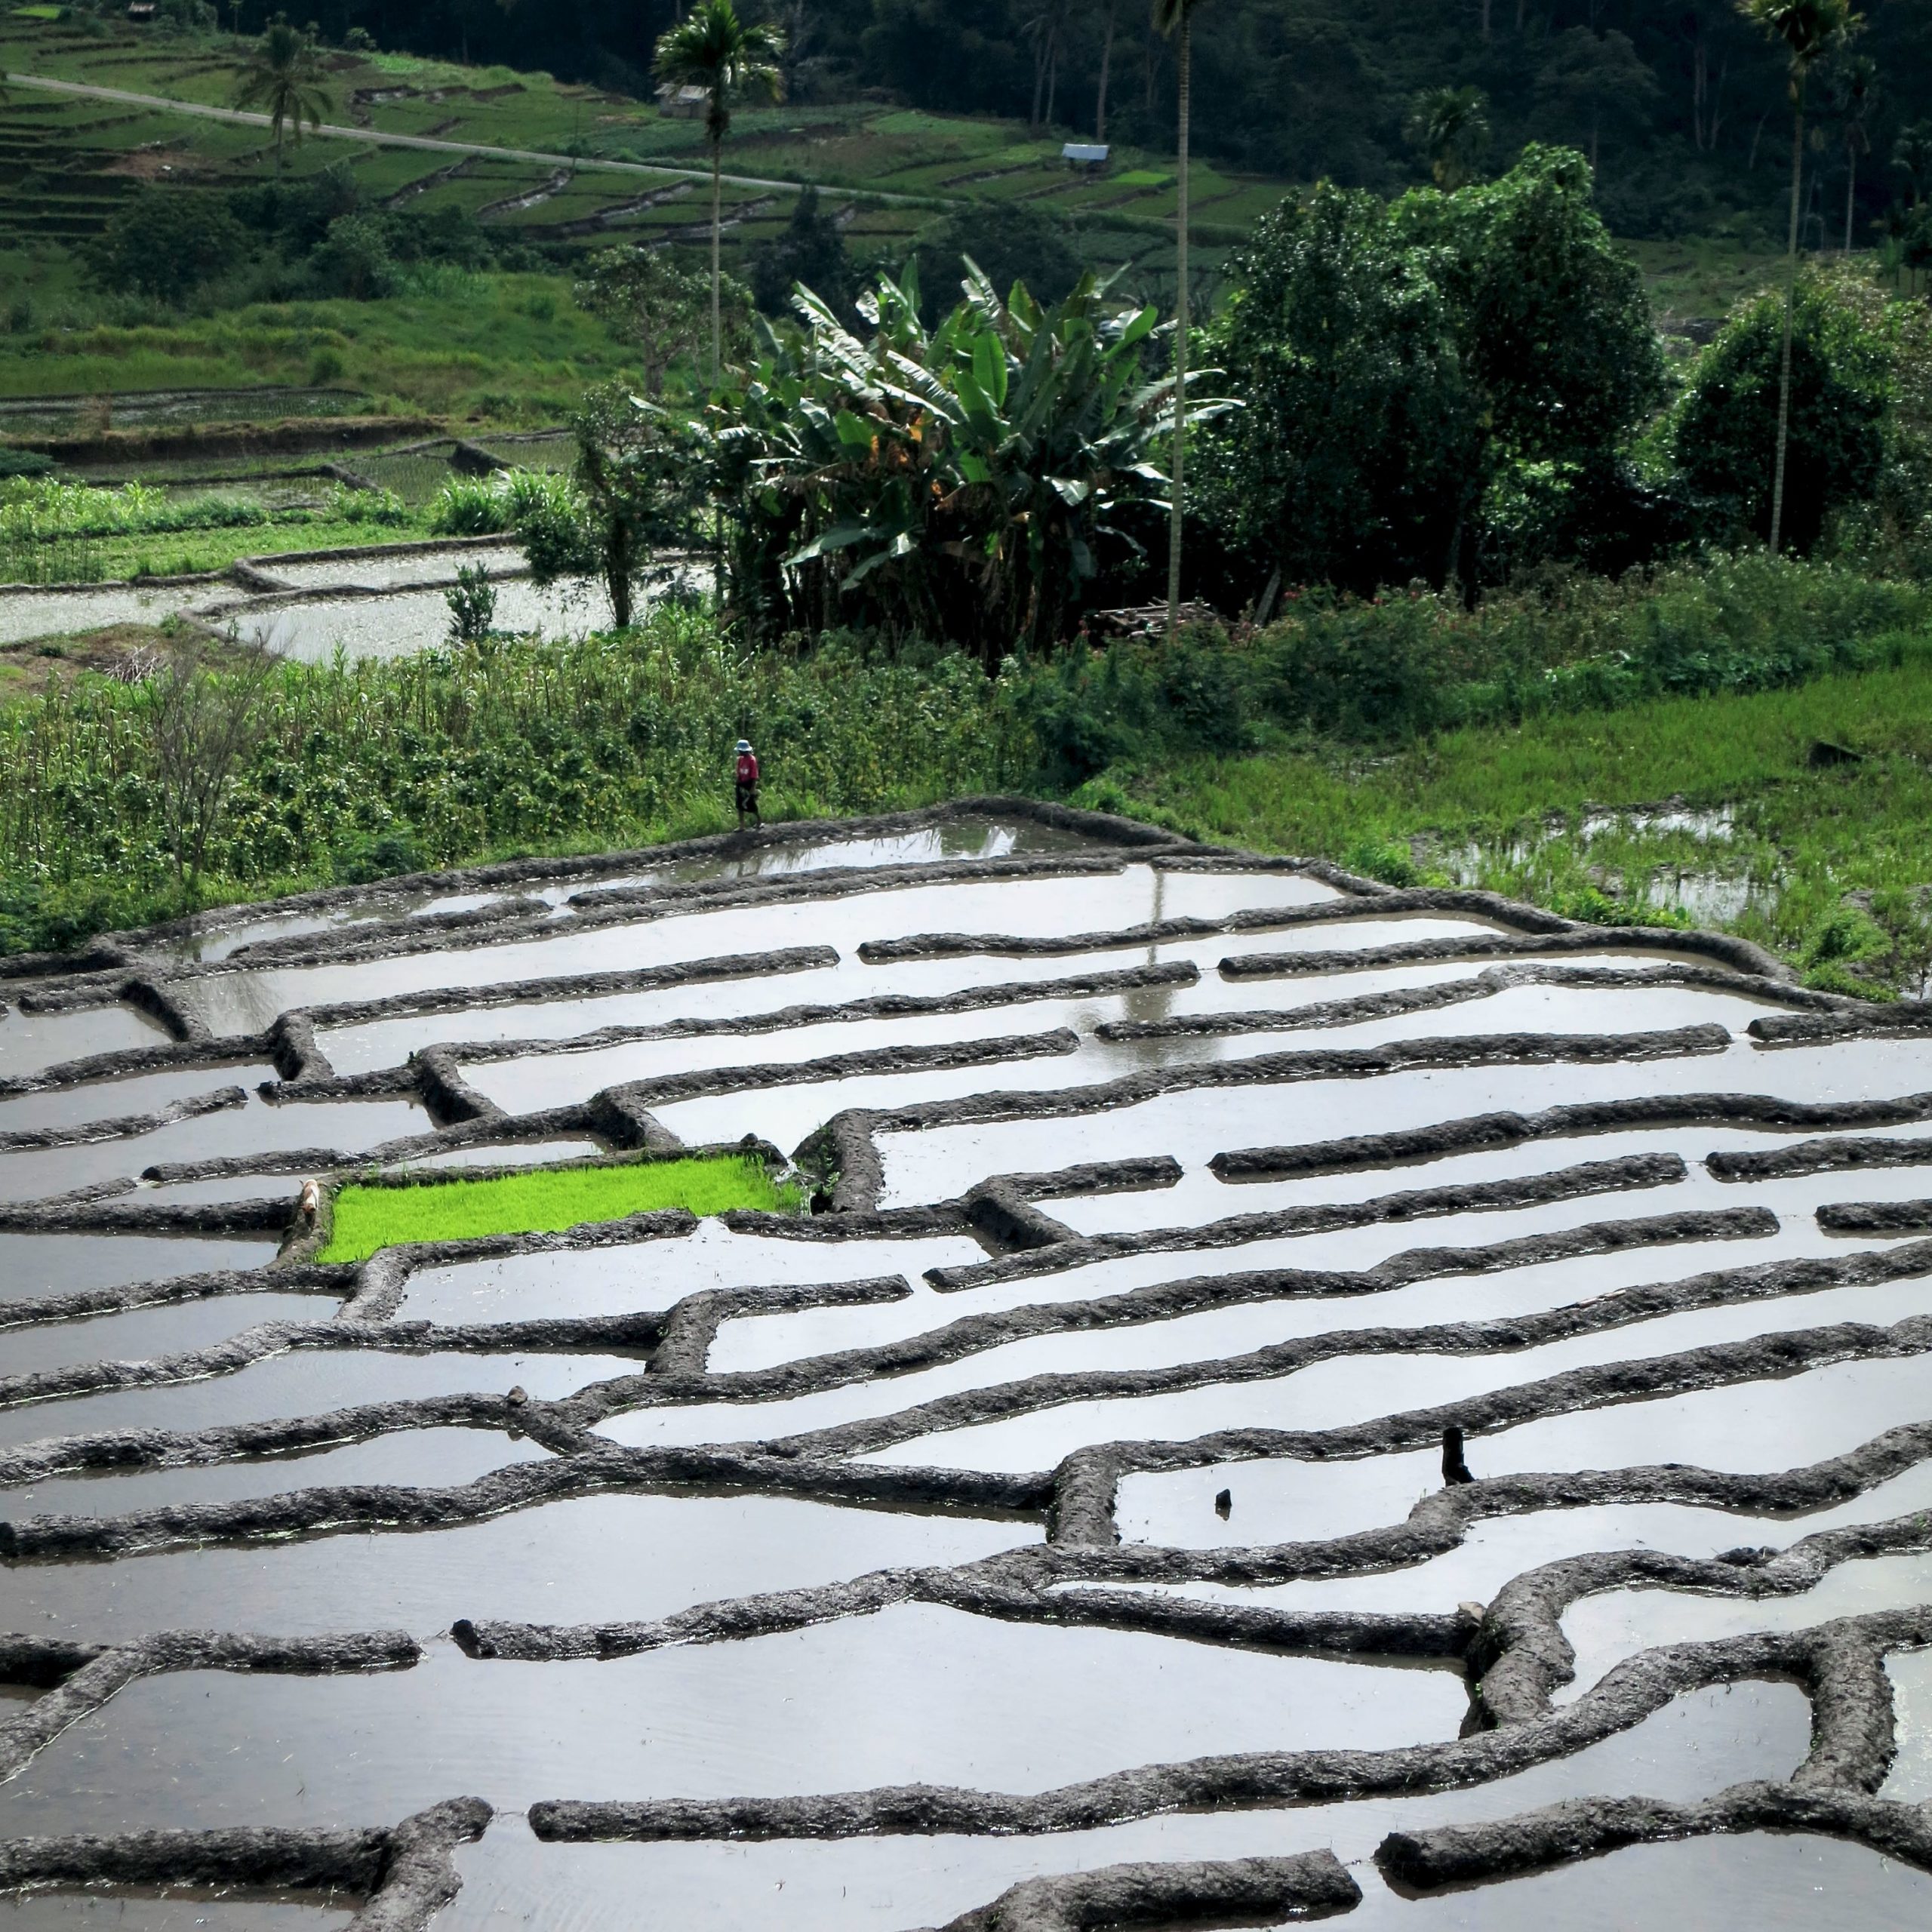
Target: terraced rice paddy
x=562, y=165
x=1291, y=1397
x=384, y=601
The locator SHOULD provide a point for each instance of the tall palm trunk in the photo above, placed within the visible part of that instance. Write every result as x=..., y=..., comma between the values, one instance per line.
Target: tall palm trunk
x=1850, y=190
x=1180, y=334
x=1106, y=70
x=717, y=272
x=1790, y=310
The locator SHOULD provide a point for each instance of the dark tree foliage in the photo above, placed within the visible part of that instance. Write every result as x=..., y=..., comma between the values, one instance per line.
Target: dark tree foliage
x=1008, y=241
x=812, y=251
x=296, y=215
x=1724, y=433
x=166, y=244
x=281, y=240
x=1552, y=318
x=1443, y=388
x=1355, y=454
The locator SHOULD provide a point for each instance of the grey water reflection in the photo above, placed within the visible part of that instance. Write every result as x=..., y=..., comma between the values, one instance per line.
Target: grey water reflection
x=1695, y=1745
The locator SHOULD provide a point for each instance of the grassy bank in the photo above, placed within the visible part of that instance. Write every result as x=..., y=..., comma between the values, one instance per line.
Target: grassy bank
x=548, y=1201
x=1736, y=824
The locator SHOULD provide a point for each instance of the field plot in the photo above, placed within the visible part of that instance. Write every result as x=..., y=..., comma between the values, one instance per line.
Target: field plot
x=1261, y=1394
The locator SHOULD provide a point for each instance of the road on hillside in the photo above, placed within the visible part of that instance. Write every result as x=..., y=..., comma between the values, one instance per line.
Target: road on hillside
x=330, y=130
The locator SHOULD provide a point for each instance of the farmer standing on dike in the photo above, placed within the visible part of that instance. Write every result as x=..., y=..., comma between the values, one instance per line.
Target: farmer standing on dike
x=747, y=785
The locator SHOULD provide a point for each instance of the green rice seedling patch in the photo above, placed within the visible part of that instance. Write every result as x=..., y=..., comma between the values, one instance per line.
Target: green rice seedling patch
x=546, y=1201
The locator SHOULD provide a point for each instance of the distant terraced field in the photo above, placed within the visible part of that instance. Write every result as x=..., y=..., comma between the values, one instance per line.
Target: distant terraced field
x=65, y=161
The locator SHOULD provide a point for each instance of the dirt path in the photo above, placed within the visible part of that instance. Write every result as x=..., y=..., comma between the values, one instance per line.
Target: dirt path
x=330, y=130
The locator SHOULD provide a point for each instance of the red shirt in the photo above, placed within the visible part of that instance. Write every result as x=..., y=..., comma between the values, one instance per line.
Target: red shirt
x=747, y=767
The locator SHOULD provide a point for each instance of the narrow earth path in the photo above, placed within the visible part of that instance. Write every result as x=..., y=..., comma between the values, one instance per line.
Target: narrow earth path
x=370, y=136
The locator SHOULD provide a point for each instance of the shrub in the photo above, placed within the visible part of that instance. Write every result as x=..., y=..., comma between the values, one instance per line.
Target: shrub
x=970, y=482
x=166, y=243
x=472, y=602
x=506, y=502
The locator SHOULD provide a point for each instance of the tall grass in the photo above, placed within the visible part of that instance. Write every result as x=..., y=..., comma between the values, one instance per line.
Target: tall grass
x=1386, y=735
x=378, y=766
x=1826, y=865
x=506, y=501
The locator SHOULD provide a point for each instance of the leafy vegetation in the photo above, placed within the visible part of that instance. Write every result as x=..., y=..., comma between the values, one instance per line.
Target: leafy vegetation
x=546, y=1200
x=1740, y=406
x=963, y=484
x=1402, y=420
x=510, y=500
x=1347, y=728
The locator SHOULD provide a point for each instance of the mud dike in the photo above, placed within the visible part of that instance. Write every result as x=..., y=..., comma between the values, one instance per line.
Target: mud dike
x=1293, y=1399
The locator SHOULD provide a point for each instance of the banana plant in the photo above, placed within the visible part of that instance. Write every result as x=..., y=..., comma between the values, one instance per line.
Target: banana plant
x=958, y=483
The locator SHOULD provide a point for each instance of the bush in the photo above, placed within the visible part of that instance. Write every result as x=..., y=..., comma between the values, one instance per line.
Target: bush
x=472, y=602
x=354, y=260
x=1399, y=667
x=1012, y=241
x=507, y=502
x=166, y=243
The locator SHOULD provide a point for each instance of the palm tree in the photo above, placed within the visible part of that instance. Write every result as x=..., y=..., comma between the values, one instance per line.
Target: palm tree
x=1173, y=16
x=284, y=75
x=731, y=60
x=1106, y=72
x=1912, y=155
x=1450, y=127
x=1854, y=100
x=1810, y=30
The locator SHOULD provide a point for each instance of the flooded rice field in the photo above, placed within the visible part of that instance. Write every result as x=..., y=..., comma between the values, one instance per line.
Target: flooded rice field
x=385, y=601
x=1281, y=1398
